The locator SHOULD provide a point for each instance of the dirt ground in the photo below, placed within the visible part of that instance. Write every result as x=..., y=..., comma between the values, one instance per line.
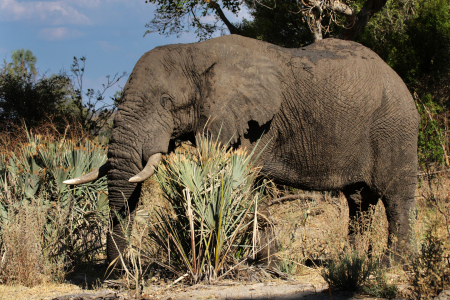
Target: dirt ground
x=225, y=290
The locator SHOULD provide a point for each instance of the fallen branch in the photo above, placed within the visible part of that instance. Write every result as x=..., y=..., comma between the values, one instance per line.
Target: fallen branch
x=291, y=198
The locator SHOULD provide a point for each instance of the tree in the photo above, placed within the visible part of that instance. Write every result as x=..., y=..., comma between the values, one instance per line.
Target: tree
x=23, y=62
x=176, y=16
x=31, y=101
x=280, y=25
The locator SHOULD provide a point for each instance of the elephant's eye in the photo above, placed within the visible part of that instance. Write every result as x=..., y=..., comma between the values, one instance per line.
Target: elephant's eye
x=166, y=102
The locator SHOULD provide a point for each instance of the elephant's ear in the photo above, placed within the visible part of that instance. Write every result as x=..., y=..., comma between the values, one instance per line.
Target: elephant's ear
x=240, y=90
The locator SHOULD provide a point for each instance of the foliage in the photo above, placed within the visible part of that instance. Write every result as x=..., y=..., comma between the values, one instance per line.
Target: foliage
x=74, y=216
x=23, y=63
x=432, y=141
x=176, y=17
x=350, y=272
x=279, y=23
x=30, y=99
x=380, y=288
x=25, y=259
x=294, y=19
x=412, y=37
x=215, y=204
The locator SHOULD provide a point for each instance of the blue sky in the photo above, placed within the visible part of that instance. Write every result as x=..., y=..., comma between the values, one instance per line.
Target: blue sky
x=108, y=32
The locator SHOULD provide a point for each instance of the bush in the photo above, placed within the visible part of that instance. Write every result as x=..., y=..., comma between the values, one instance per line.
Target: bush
x=349, y=273
x=352, y=272
x=215, y=203
x=380, y=288
x=431, y=267
x=41, y=216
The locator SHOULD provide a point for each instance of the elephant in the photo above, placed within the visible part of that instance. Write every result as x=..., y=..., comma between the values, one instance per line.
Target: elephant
x=328, y=116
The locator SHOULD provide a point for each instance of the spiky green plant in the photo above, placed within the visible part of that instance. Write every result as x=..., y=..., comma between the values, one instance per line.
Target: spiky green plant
x=214, y=198
x=76, y=215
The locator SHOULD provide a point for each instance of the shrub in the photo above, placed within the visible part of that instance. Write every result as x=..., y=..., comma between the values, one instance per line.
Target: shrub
x=59, y=223
x=380, y=288
x=431, y=267
x=349, y=273
x=215, y=203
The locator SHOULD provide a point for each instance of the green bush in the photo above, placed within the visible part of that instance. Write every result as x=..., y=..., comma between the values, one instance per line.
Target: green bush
x=215, y=205
x=431, y=267
x=350, y=273
x=67, y=222
x=380, y=288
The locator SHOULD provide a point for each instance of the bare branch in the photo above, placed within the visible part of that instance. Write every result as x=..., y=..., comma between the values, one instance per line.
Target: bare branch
x=313, y=13
x=315, y=10
x=231, y=27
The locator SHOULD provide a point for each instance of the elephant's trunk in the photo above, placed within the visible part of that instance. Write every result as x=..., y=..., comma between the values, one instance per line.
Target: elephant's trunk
x=128, y=153
x=123, y=199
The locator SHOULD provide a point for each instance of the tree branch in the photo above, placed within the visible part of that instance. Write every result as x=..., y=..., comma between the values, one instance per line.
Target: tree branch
x=341, y=8
x=313, y=14
x=355, y=24
x=231, y=27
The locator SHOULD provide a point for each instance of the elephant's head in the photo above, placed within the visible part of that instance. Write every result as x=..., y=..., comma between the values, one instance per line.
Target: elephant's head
x=172, y=93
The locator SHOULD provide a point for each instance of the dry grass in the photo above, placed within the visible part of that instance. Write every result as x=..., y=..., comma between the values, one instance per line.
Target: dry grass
x=317, y=230
x=24, y=256
x=44, y=291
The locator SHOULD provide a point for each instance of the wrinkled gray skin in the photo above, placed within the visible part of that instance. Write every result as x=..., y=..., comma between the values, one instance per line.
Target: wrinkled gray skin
x=334, y=116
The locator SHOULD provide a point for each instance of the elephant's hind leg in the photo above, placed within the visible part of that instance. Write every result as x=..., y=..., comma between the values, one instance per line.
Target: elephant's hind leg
x=399, y=202
x=359, y=197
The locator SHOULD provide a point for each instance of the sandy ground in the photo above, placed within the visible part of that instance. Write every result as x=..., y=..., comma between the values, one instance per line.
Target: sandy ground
x=224, y=290
x=303, y=287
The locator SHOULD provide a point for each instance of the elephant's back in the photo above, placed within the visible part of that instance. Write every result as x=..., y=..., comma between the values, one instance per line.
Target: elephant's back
x=341, y=102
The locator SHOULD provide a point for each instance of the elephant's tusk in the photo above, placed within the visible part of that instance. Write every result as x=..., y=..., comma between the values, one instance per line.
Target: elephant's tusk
x=149, y=169
x=94, y=175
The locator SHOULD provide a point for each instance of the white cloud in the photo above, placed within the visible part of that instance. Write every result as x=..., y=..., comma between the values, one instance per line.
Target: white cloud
x=59, y=33
x=57, y=12
x=107, y=46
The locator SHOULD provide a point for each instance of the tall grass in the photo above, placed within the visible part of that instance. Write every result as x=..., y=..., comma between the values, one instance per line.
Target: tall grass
x=44, y=220
x=215, y=203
